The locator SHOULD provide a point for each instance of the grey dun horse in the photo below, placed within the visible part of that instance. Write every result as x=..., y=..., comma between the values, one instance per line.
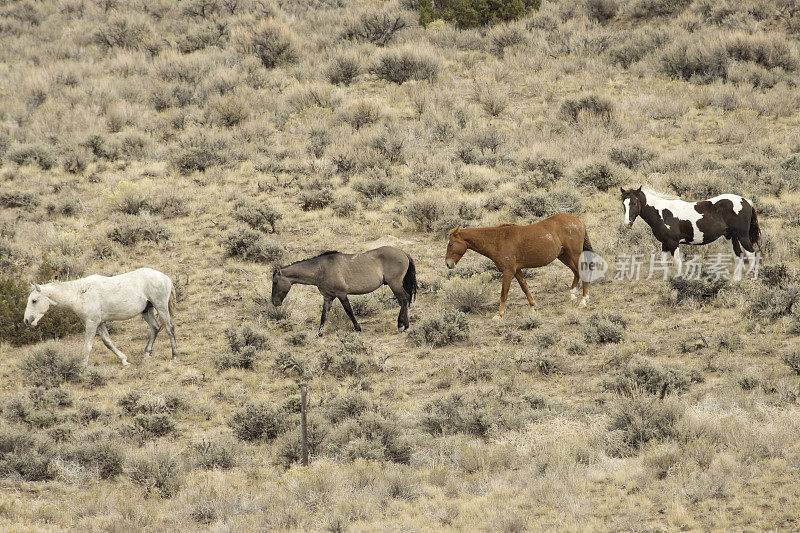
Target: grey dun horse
x=338, y=275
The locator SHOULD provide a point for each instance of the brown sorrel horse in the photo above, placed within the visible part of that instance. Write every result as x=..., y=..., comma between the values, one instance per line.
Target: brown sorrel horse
x=514, y=247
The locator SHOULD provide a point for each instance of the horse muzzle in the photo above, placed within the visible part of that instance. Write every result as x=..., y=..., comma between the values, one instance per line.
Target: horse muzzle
x=629, y=224
x=450, y=263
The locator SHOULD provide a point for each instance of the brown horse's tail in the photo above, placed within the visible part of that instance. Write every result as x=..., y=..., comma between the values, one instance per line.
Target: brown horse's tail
x=410, y=280
x=587, y=244
x=755, y=230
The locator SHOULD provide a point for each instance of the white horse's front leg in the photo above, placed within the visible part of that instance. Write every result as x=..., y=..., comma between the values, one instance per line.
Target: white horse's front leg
x=110, y=345
x=91, y=331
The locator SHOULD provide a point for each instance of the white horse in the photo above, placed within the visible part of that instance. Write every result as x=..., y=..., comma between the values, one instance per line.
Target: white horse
x=100, y=299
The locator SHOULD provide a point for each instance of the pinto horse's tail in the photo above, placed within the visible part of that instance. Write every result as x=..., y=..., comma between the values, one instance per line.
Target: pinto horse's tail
x=755, y=231
x=587, y=244
x=410, y=280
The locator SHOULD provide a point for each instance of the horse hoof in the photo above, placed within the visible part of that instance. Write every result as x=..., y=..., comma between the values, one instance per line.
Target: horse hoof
x=496, y=317
x=125, y=363
x=573, y=296
x=583, y=303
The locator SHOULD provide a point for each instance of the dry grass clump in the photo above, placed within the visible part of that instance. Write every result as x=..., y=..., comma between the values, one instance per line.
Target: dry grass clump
x=604, y=328
x=343, y=69
x=646, y=9
x=599, y=173
x=252, y=245
x=212, y=454
x=33, y=154
x=642, y=374
x=375, y=25
x=601, y=11
x=403, y=64
x=26, y=455
x=590, y=106
x=132, y=230
x=256, y=421
x=443, y=328
x=270, y=41
x=469, y=295
x=641, y=419
x=699, y=290
x=769, y=304
x=258, y=215
x=52, y=364
x=157, y=471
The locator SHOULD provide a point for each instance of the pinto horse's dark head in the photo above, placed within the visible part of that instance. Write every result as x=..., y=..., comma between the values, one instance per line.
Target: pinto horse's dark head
x=456, y=247
x=633, y=201
x=280, y=287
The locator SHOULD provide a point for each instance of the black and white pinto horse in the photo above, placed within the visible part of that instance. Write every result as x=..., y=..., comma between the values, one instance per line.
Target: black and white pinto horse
x=675, y=222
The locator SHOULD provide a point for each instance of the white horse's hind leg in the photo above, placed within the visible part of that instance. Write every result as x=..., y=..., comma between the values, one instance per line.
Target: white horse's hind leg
x=163, y=314
x=103, y=330
x=155, y=327
x=91, y=331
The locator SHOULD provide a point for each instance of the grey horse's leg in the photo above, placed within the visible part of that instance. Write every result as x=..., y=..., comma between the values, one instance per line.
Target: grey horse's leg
x=402, y=298
x=326, y=306
x=91, y=331
x=103, y=330
x=155, y=327
x=349, y=311
x=163, y=314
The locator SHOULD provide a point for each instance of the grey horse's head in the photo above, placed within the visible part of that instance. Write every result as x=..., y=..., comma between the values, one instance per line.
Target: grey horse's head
x=38, y=304
x=280, y=287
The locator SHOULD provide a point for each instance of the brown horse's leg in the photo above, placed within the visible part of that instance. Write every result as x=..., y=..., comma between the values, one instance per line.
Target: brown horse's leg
x=568, y=261
x=524, y=285
x=508, y=275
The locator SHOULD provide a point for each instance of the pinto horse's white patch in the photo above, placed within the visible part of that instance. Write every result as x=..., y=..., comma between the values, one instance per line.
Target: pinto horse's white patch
x=680, y=210
x=627, y=203
x=735, y=199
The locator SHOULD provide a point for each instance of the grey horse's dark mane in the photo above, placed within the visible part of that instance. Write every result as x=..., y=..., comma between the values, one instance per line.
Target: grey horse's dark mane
x=327, y=252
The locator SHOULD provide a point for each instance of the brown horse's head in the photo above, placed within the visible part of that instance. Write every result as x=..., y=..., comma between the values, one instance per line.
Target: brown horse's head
x=633, y=201
x=456, y=247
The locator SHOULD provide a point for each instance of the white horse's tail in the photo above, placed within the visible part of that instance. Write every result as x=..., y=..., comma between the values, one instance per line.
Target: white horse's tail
x=171, y=302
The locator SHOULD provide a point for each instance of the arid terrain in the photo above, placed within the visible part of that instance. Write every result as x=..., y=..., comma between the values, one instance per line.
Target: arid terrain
x=216, y=139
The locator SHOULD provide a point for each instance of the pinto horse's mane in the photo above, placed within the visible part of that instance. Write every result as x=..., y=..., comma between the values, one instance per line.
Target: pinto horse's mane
x=658, y=194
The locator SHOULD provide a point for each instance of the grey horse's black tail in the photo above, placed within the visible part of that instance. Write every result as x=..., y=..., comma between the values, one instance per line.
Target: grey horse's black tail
x=410, y=280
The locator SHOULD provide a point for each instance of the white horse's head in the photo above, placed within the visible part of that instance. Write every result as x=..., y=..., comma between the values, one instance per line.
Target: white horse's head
x=38, y=304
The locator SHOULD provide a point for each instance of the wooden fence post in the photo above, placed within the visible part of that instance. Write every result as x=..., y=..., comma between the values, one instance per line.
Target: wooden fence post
x=303, y=426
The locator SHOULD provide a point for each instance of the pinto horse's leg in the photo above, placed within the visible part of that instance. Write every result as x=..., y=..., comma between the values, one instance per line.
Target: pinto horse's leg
x=524, y=286
x=508, y=275
x=326, y=306
x=155, y=328
x=103, y=330
x=349, y=311
x=739, y=268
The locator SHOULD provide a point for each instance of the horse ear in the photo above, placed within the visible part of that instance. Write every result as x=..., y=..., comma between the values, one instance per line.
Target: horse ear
x=639, y=189
x=276, y=271
x=622, y=190
x=36, y=287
